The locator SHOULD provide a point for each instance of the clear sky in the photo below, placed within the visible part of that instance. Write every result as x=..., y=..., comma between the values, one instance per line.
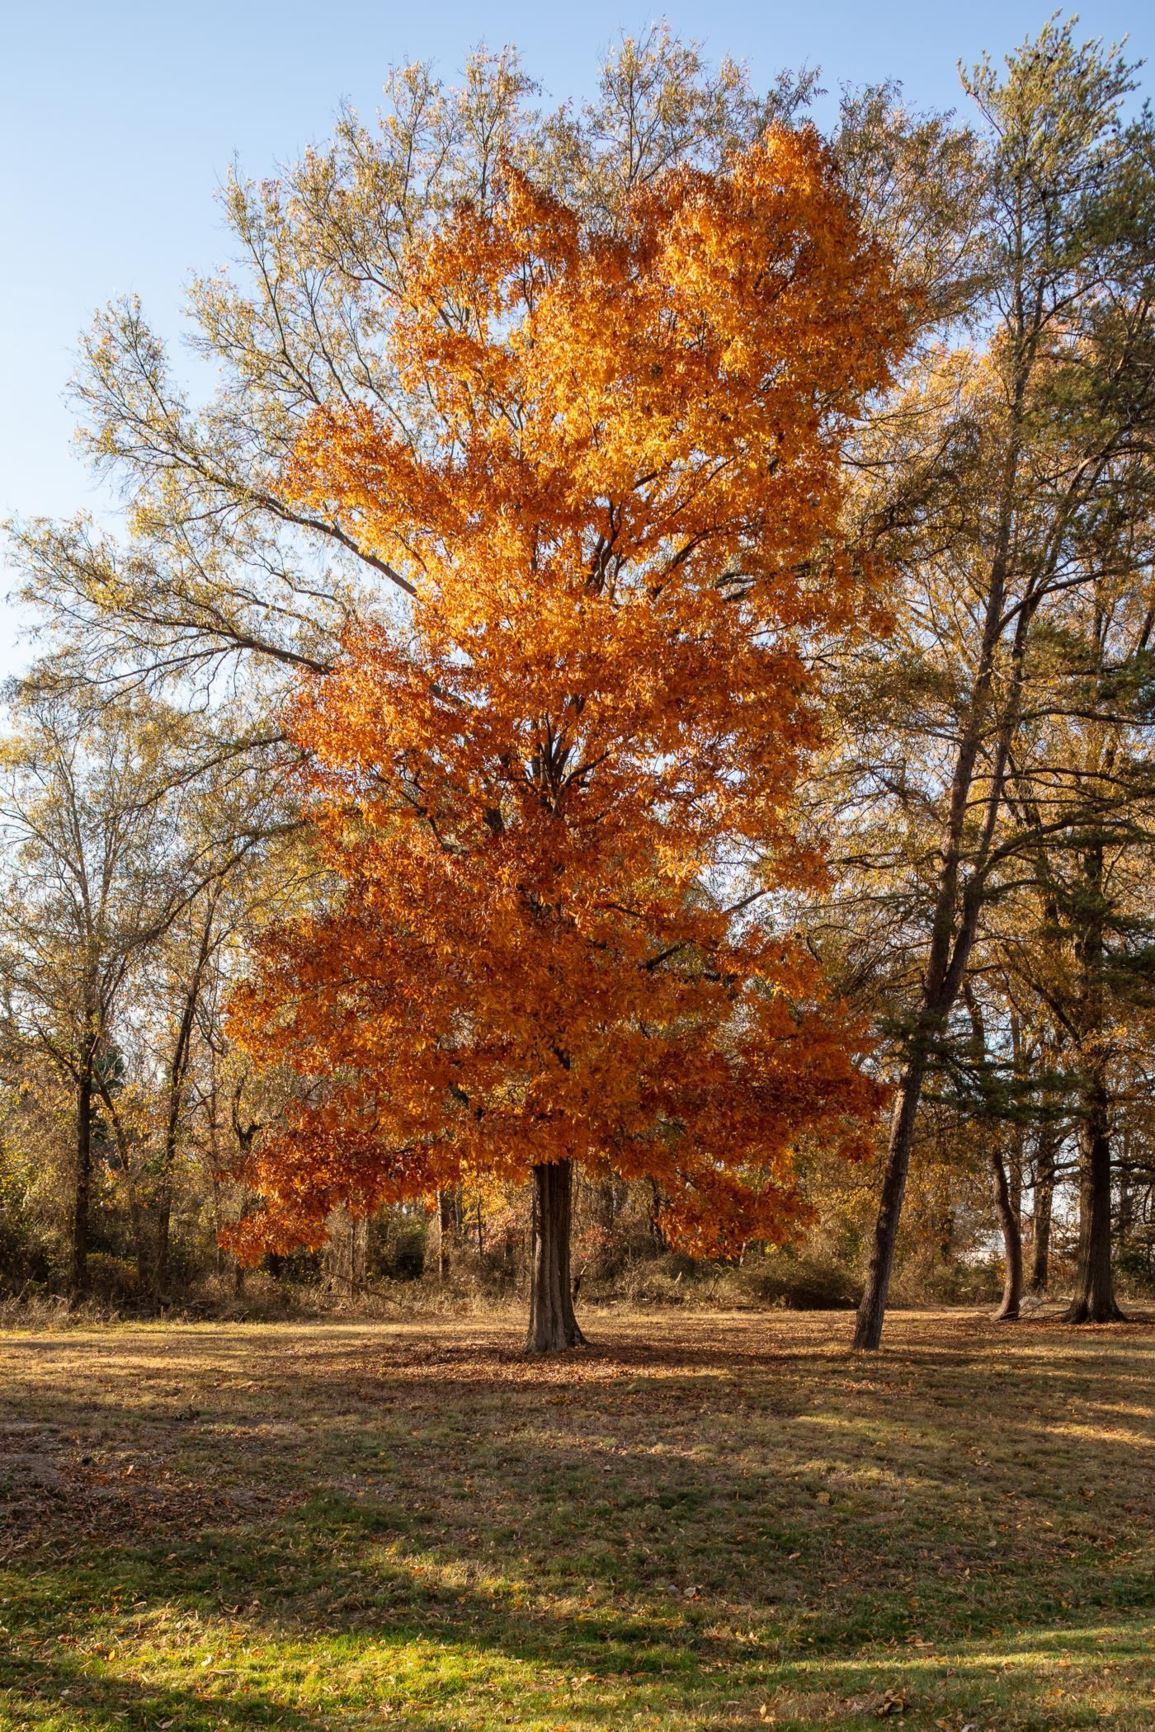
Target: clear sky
x=119, y=118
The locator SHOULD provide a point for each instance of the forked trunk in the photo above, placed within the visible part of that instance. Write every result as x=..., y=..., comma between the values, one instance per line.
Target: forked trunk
x=1094, y=1300
x=552, y=1324
x=1008, y=1311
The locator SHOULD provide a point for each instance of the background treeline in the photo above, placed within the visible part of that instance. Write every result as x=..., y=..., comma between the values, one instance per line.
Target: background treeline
x=985, y=794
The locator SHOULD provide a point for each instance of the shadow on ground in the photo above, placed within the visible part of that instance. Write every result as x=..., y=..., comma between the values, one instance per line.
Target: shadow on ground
x=699, y=1523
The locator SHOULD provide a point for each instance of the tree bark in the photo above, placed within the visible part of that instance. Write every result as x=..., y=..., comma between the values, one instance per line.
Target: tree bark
x=140, y=1245
x=177, y=1080
x=605, y=1202
x=161, y=1246
x=82, y=1186
x=1044, y=1204
x=552, y=1324
x=654, y=1222
x=445, y=1225
x=1008, y=1311
x=1094, y=1300
x=872, y=1310
x=988, y=731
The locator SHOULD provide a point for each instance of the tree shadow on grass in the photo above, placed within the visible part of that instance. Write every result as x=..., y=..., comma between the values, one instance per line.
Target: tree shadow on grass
x=31, y=1689
x=1048, y=1676
x=680, y=1527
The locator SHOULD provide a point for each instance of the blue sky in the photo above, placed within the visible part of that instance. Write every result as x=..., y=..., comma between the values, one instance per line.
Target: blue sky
x=118, y=120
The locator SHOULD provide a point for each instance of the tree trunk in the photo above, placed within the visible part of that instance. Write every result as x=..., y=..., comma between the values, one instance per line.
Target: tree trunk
x=604, y=1208
x=654, y=1223
x=360, y=1254
x=161, y=1245
x=140, y=1244
x=445, y=1218
x=82, y=1188
x=958, y=894
x=1009, y=1221
x=177, y=1078
x=1044, y=1204
x=872, y=1310
x=552, y=1324
x=1094, y=1300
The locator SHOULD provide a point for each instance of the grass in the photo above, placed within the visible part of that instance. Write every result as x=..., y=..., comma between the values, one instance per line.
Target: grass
x=701, y=1522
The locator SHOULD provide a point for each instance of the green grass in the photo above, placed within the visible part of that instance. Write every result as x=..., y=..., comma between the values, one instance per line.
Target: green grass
x=702, y=1522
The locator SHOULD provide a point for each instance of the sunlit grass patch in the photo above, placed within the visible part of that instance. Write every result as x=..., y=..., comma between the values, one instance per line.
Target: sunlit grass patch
x=700, y=1523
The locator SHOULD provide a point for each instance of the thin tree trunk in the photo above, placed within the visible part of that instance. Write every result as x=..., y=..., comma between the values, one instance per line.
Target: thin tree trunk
x=605, y=1202
x=161, y=1244
x=139, y=1233
x=872, y=1310
x=1044, y=1205
x=444, y=1228
x=144, y=1244
x=360, y=1254
x=82, y=1187
x=958, y=897
x=654, y=1222
x=177, y=1079
x=552, y=1324
x=1094, y=1300
x=1008, y=1311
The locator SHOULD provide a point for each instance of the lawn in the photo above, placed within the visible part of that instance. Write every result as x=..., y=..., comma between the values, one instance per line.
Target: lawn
x=700, y=1522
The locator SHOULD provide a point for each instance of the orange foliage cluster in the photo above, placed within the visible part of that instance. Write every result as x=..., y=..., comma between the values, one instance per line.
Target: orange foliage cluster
x=610, y=475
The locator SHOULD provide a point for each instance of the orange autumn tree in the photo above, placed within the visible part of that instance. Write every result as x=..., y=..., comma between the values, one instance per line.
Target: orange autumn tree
x=556, y=804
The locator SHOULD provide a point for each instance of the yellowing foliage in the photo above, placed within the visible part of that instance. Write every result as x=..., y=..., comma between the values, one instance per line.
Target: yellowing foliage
x=609, y=473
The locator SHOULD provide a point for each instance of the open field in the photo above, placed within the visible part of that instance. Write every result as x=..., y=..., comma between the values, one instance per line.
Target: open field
x=722, y=1521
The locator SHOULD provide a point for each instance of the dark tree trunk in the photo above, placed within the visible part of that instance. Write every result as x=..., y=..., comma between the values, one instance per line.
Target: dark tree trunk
x=161, y=1246
x=552, y=1324
x=872, y=1310
x=1044, y=1204
x=82, y=1188
x=655, y=1222
x=1094, y=1300
x=1011, y=1226
x=445, y=1223
x=958, y=893
x=178, y=1077
x=140, y=1245
x=604, y=1208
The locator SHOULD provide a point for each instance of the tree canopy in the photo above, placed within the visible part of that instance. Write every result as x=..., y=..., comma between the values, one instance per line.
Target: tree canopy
x=610, y=478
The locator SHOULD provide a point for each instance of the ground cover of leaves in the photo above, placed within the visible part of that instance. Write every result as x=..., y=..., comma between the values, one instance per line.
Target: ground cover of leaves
x=699, y=1522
